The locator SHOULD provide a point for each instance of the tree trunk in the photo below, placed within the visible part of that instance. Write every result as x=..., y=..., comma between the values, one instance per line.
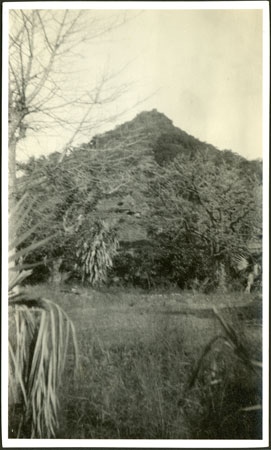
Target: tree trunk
x=15, y=119
x=14, y=392
x=222, y=278
x=12, y=184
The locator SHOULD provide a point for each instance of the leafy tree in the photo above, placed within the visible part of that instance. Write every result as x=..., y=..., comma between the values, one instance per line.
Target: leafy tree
x=212, y=211
x=65, y=197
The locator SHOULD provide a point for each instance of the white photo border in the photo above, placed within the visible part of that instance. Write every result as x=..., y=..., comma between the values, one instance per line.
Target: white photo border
x=162, y=5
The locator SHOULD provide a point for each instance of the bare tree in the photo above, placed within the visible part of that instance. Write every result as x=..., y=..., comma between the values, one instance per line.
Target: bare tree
x=41, y=94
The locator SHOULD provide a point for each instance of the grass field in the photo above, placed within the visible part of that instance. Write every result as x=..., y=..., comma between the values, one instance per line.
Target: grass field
x=137, y=354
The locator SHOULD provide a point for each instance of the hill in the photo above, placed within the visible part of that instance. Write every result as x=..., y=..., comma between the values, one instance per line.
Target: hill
x=152, y=182
x=152, y=133
x=150, y=139
x=144, y=132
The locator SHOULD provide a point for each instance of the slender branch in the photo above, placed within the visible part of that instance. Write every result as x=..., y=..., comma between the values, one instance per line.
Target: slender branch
x=50, y=63
x=44, y=32
x=30, y=47
x=68, y=144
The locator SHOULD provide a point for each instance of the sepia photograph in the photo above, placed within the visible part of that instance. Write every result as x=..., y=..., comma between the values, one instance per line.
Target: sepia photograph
x=135, y=159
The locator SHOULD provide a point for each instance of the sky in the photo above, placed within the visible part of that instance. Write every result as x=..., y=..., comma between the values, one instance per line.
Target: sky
x=201, y=68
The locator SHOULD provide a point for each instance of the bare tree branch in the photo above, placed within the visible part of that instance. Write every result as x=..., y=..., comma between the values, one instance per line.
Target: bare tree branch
x=41, y=95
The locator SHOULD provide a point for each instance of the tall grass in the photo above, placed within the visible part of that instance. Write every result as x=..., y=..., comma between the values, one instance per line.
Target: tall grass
x=127, y=390
x=139, y=388
x=227, y=382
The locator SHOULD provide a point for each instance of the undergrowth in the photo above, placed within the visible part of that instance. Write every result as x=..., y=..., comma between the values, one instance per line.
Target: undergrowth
x=140, y=389
x=136, y=365
x=127, y=391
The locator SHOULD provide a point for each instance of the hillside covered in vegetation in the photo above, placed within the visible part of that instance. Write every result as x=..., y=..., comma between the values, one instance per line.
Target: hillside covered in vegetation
x=145, y=204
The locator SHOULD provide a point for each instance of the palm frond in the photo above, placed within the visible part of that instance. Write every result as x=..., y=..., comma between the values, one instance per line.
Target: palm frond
x=95, y=255
x=231, y=338
x=18, y=209
x=22, y=238
x=238, y=346
x=30, y=248
x=39, y=336
x=38, y=349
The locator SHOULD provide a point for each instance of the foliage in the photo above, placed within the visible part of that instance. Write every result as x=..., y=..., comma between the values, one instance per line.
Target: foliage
x=65, y=194
x=230, y=399
x=76, y=188
x=201, y=209
x=95, y=254
x=233, y=340
x=39, y=334
x=169, y=145
x=207, y=212
x=138, y=268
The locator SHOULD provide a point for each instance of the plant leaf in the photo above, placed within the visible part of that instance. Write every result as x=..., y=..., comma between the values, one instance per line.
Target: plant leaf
x=30, y=248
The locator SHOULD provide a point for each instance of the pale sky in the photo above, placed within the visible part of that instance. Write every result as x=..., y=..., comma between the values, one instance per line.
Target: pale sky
x=201, y=68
